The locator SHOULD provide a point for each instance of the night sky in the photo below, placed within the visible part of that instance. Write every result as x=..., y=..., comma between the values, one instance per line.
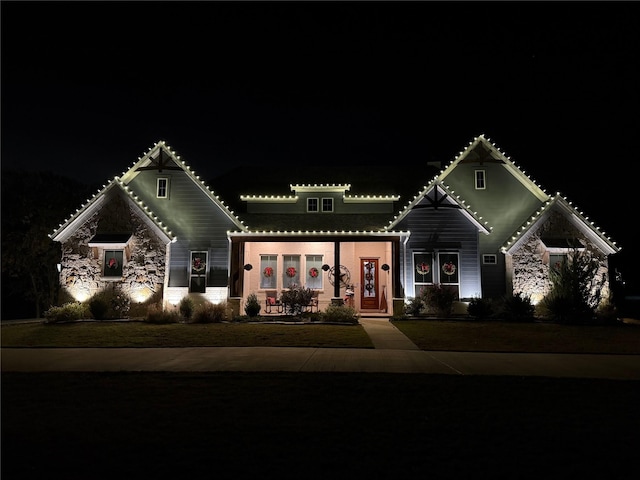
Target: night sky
x=87, y=87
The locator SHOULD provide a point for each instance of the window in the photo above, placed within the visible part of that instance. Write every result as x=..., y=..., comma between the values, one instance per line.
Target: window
x=163, y=187
x=314, y=272
x=480, y=180
x=312, y=204
x=113, y=263
x=198, y=277
x=422, y=271
x=291, y=273
x=556, y=260
x=268, y=271
x=449, y=268
x=489, y=259
x=327, y=204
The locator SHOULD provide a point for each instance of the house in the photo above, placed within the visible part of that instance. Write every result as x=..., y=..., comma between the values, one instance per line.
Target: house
x=480, y=227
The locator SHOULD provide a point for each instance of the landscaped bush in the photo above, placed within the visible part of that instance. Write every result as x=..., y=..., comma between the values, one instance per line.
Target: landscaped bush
x=252, y=308
x=438, y=299
x=109, y=304
x=576, y=290
x=139, y=310
x=208, y=312
x=68, y=312
x=186, y=307
x=340, y=314
x=480, y=308
x=517, y=308
x=414, y=306
x=157, y=315
x=296, y=299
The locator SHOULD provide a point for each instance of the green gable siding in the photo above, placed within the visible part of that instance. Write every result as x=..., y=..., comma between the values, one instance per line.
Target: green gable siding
x=194, y=218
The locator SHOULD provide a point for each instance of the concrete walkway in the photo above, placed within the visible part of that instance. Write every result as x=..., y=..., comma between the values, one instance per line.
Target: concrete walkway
x=393, y=353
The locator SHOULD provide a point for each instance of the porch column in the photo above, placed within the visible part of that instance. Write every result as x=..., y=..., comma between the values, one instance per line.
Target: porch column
x=336, y=267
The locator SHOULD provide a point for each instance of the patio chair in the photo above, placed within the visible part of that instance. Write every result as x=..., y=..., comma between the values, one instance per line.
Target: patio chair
x=272, y=301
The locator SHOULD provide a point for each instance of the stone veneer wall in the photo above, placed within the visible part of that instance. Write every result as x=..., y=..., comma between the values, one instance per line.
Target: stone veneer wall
x=531, y=262
x=143, y=270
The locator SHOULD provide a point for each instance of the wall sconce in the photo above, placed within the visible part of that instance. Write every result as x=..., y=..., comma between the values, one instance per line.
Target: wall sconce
x=248, y=267
x=385, y=267
x=325, y=267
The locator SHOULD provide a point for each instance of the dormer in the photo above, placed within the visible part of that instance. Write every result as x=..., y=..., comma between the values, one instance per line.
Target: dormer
x=320, y=199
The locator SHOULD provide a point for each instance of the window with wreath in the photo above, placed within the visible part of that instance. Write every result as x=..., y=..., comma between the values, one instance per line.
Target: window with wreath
x=291, y=270
x=449, y=268
x=313, y=271
x=268, y=271
x=113, y=263
x=422, y=271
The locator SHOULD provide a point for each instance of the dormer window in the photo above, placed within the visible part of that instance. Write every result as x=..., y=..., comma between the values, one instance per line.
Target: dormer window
x=480, y=180
x=327, y=204
x=162, y=188
x=312, y=205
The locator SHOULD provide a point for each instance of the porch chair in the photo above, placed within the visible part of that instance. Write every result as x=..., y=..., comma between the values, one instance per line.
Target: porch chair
x=271, y=301
x=313, y=303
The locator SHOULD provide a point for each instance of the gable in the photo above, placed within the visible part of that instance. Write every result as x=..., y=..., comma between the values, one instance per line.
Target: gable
x=560, y=233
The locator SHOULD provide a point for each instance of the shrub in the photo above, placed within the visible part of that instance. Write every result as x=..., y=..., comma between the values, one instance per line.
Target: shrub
x=252, y=307
x=414, y=306
x=208, y=312
x=575, y=290
x=296, y=299
x=518, y=308
x=186, y=307
x=99, y=306
x=68, y=312
x=157, y=315
x=109, y=303
x=480, y=308
x=439, y=299
x=340, y=314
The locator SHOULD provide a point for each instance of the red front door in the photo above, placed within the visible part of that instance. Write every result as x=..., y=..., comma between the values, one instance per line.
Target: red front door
x=369, y=299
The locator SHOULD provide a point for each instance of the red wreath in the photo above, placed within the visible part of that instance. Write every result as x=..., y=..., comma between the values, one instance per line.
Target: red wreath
x=423, y=268
x=113, y=263
x=449, y=268
x=313, y=272
x=268, y=271
x=291, y=272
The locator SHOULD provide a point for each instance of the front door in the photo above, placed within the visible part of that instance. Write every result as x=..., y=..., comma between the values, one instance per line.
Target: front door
x=369, y=299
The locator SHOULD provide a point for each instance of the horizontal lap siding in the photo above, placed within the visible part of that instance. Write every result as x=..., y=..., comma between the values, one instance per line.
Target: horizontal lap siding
x=445, y=226
x=195, y=219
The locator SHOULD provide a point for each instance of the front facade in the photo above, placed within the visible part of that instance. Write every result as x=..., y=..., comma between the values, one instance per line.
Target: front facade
x=480, y=227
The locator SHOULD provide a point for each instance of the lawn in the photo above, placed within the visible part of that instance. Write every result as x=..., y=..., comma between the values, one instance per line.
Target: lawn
x=489, y=336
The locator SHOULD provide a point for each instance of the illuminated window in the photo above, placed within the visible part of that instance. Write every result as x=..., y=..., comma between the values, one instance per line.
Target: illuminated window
x=480, y=180
x=268, y=271
x=113, y=263
x=291, y=273
x=198, y=277
x=422, y=271
x=556, y=260
x=327, y=204
x=314, y=272
x=312, y=204
x=163, y=187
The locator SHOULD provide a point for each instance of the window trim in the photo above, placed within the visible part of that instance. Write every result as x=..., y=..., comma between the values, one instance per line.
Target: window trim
x=166, y=187
x=480, y=179
x=487, y=256
x=317, y=206
x=322, y=205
